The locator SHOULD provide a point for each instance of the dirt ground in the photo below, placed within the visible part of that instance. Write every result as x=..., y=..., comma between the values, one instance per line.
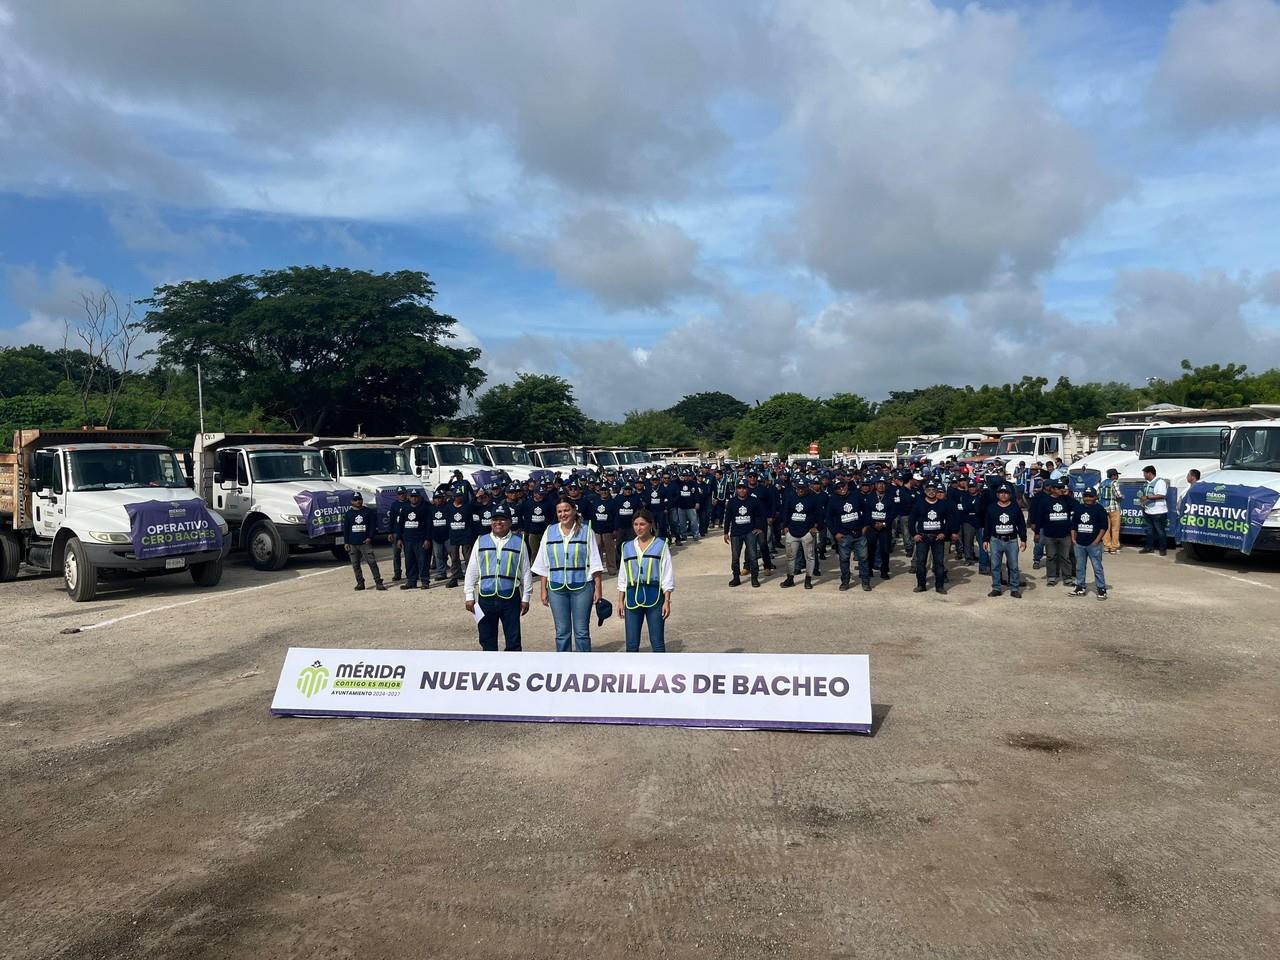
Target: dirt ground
x=1051, y=777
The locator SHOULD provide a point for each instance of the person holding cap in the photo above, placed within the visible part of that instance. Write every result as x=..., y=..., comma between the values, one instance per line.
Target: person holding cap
x=645, y=584
x=744, y=525
x=498, y=578
x=571, y=571
x=1088, y=527
x=1109, y=500
x=358, y=526
x=411, y=534
x=1004, y=536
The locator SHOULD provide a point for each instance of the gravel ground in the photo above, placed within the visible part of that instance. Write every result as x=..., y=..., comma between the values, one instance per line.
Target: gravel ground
x=1051, y=777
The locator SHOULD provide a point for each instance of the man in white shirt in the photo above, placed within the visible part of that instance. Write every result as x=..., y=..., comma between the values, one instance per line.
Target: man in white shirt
x=498, y=579
x=1155, y=511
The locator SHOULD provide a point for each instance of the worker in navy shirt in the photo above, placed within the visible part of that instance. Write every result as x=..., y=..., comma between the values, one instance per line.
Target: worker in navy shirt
x=965, y=502
x=535, y=514
x=933, y=523
x=482, y=512
x=393, y=514
x=437, y=539
x=1004, y=536
x=1089, y=523
x=801, y=518
x=359, y=523
x=903, y=497
x=819, y=493
x=413, y=534
x=687, y=497
x=744, y=523
x=764, y=493
x=880, y=517
x=1053, y=531
x=847, y=523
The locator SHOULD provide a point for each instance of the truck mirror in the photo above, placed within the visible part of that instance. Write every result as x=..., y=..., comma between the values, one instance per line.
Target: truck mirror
x=1224, y=444
x=217, y=476
x=37, y=485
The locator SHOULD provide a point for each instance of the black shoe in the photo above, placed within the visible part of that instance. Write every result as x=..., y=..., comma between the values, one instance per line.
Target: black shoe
x=808, y=583
x=940, y=589
x=1146, y=550
x=1035, y=565
x=452, y=583
x=995, y=593
x=884, y=575
x=397, y=578
x=735, y=582
x=1051, y=583
x=844, y=584
x=359, y=586
x=1078, y=592
x=424, y=585
x=1162, y=553
x=379, y=585
x=817, y=571
x=789, y=582
x=1069, y=582
x=1102, y=594
x=441, y=576
x=866, y=585
x=919, y=588
x=1016, y=594
x=984, y=571
x=408, y=586
x=768, y=570
x=755, y=580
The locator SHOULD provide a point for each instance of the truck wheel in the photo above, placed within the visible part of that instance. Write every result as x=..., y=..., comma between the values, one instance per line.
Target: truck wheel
x=267, y=549
x=79, y=573
x=10, y=555
x=340, y=554
x=207, y=574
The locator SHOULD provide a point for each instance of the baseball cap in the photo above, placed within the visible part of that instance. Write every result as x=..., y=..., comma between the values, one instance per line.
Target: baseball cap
x=501, y=510
x=604, y=610
x=402, y=490
x=357, y=496
x=1090, y=492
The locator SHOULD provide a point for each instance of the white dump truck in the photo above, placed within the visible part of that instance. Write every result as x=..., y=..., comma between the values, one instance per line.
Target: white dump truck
x=554, y=458
x=442, y=460
x=276, y=494
x=512, y=458
x=98, y=504
x=374, y=467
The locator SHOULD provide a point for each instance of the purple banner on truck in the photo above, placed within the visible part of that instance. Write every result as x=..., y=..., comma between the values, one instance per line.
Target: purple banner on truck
x=166, y=528
x=322, y=510
x=1226, y=515
x=386, y=497
x=1132, y=513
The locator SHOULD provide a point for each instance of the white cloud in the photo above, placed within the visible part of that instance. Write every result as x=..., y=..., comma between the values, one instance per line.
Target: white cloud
x=50, y=300
x=1220, y=66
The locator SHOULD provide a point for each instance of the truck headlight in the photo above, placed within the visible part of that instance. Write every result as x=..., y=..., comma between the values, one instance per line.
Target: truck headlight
x=104, y=537
x=1274, y=516
x=292, y=518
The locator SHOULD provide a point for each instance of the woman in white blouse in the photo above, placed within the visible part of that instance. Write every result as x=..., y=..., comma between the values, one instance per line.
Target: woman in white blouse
x=645, y=583
x=571, y=576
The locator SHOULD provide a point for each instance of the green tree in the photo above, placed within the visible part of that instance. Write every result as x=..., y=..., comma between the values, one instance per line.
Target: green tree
x=535, y=407
x=711, y=414
x=324, y=348
x=848, y=410
x=651, y=428
x=786, y=422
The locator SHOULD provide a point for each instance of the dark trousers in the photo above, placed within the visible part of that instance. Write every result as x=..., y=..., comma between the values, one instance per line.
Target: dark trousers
x=397, y=555
x=1157, y=530
x=499, y=611
x=850, y=546
x=764, y=547
x=458, y=554
x=415, y=562
x=737, y=543
x=363, y=553
x=937, y=549
x=879, y=546
x=968, y=546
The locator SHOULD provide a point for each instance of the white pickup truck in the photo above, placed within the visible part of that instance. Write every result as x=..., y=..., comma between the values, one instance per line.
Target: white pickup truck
x=276, y=494
x=98, y=504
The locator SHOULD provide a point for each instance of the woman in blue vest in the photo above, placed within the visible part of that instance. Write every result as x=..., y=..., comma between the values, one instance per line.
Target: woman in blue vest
x=645, y=583
x=571, y=574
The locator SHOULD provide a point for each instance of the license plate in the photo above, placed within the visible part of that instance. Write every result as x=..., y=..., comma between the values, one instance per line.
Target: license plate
x=175, y=563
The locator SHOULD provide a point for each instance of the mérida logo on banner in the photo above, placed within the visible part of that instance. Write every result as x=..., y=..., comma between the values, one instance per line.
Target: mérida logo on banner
x=754, y=691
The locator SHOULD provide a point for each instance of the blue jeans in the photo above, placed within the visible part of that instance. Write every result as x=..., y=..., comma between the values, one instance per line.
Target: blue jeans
x=687, y=524
x=571, y=611
x=636, y=619
x=739, y=542
x=1091, y=553
x=851, y=546
x=1157, y=530
x=1006, y=550
x=440, y=554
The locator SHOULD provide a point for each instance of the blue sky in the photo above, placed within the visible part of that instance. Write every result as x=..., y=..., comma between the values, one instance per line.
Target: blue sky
x=651, y=201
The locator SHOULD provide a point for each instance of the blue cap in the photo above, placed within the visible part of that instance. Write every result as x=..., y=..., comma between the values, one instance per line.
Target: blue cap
x=402, y=490
x=501, y=510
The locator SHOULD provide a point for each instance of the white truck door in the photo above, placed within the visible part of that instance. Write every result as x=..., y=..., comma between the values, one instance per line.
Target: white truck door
x=50, y=501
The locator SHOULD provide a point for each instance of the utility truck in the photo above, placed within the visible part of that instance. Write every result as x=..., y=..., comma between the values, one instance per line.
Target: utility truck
x=953, y=446
x=1118, y=443
x=510, y=457
x=442, y=460
x=98, y=504
x=276, y=494
x=554, y=458
x=371, y=466
x=1041, y=442
x=1236, y=509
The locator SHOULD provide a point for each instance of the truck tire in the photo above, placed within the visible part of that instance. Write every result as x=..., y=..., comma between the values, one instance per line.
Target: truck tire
x=78, y=572
x=340, y=554
x=10, y=555
x=207, y=574
x=267, y=549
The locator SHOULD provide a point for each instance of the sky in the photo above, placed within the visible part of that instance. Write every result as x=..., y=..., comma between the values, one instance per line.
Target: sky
x=654, y=199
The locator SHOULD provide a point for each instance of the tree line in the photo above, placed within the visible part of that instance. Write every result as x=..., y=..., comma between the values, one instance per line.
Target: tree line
x=333, y=350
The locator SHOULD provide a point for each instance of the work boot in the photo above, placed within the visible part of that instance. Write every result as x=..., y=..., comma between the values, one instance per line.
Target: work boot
x=425, y=585
x=866, y=585
x=919, y=588
x=940, y=589
x=1016, y=594
x=408, y=586
x=359, y=586
x=995, y=593
x=789, y=582
x=397, y=578
x=379, y=585
x=452, y=583
x=844, y=584
x=755, y=580
x=736, y=581
x=808, y=583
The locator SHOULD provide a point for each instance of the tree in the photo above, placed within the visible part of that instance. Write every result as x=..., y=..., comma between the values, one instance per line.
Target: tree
x=324, y=348
x=535, y=407
x=651, y=428
x=786, y=423
x=711, y=414
x=29, y=369
x=107, y=332
x=847, y=410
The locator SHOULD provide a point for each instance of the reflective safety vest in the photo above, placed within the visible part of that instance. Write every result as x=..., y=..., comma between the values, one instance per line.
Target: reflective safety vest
x=644, y=573
x=567, y=559
x=499, y=569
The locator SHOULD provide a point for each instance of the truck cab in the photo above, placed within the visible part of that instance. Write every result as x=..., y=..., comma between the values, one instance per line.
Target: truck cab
x=276, y=494
x=375, y=469
x=76, y=503
x=1117, y=444
x=1251, y=459
x=436, y=460
x=954, y=445
x=510, y=457
x=554, y=459
x=1173, y=449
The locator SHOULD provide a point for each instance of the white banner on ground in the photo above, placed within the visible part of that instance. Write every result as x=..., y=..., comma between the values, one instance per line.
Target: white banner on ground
x=745, y=690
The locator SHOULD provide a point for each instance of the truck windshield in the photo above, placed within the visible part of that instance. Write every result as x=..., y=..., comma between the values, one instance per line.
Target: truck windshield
x=373, y=461
x=457, y=454
x=1014, y=446
x=1255, y=448
x=510, y=457
x=1126, y=440
x=606, y=459
x=281, y=466
x=1181, y=443
x=121, y=469
x=556, y=458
